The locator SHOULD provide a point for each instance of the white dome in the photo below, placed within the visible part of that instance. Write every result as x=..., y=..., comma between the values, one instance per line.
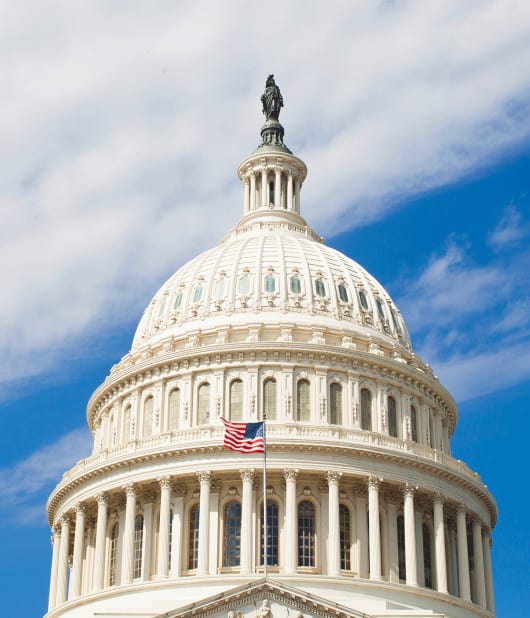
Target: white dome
x=282, y=274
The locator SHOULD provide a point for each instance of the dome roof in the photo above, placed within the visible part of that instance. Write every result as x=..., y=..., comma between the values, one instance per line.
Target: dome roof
x=271, y=272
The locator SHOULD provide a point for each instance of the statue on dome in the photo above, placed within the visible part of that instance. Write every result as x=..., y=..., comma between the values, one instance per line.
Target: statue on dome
x=272, y=99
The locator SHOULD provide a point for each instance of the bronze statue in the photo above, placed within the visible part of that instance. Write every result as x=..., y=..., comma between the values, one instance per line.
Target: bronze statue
x=272, y=99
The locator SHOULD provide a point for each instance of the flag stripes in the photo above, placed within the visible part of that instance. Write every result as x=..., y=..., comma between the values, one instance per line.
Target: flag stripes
x=244, y=437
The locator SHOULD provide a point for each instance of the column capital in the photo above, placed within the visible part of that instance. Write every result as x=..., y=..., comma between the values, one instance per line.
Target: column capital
x=461, y=508
x=102, y=499
x=439, y=498
x=164, y=482
x=130, y=489
x=205, y=477
x=80, y=509
x=374, y=482
x=65, y=520
x=56, y=529
x=333, y=477
x=410, y=490
x=290, y=474
x=247, y=474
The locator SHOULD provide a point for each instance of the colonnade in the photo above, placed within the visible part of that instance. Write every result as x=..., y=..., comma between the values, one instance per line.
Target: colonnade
x=84, y=555
x=273, y=185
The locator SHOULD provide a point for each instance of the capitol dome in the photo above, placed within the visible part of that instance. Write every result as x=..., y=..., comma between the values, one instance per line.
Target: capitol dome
x=360, y=509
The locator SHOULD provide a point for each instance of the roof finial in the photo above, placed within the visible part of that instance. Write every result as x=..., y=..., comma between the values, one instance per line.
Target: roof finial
x=272, y=131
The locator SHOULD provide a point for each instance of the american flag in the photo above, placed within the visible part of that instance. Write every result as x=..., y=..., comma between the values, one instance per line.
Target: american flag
x=244, y=437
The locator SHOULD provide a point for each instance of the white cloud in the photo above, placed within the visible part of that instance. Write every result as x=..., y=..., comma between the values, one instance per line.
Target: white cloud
x=510, y=231
x=124, y=125
x=25, y=485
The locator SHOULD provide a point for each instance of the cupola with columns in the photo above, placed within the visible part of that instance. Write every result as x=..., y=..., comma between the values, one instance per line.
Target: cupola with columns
x=368, y=514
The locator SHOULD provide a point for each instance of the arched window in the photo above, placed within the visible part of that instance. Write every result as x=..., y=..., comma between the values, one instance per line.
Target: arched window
x=335, y=403
x=197, y=293
x=236, y=400
x=243, y=287
x=431, y=431
x=178, y=302
x=345, y=537
x=147, y=428
x=269, y=399
x=127, y=423
x=232, y=534
x=272, y=534
x=306, y=534
x=401, y=547
x=138, y=545
x=174, y=409
x=392, y=417
x=413, y=423
x=366, y=409
x=113, y=554
x=193, y=539
x=427, y=565
x=219, y=289
x=363, y=299
x=203, y=404
x=303, y=401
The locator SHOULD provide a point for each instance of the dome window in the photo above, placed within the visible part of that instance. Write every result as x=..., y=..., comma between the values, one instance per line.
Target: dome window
x=270, y=284
x=320, y=288
x=197, y=294
x=244, y=285
x=193, y=537
x=219, y=289
x=392, y=417
x=364, y=300
x=178, y=301
x=236, y=400
x=232, y=535
x=380, y=309
x=343, y=293
x=296, y=286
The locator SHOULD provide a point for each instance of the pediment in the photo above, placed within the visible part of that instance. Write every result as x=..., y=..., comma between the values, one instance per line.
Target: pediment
x=263, y=598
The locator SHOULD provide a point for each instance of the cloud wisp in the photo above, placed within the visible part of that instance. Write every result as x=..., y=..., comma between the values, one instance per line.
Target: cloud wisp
x=472, y=321
x=123, y=129
x=24, y=487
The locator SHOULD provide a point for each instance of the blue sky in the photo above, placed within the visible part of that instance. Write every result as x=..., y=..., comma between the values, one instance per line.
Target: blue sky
x=122, y=127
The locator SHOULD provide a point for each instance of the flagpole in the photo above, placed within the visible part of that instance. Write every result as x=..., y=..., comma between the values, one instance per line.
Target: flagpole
x=265, y=530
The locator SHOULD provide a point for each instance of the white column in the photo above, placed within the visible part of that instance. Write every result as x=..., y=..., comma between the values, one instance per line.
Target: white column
x=290, y=536
x=247, y=476
x=56, y=544
x=480, y=584
x=375, y=530
x=463, y=558
x=277, y=187
x=101, y=536
x=204, y=522
x=362, y=530
x=252, y=191
x=77, y=563
x=147, y=535
x=439, y=544
x=246, y=185
x=411, y=564
x=486, y=551
x=88, y=563
x=297, y=195
x=62, y=570
x=264, y=188
x=127, y=565
x=290, y=191
x=393, y=555
x=163, y=527
x=333, y=524
x=176, y=531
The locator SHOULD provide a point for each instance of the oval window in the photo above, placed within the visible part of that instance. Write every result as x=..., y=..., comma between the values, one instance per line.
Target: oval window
x=320, y=288
x=343, y=293
x=197, y=294
x=296, y=287
x=270, y=284
x=364, y=300
x=244, y=285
